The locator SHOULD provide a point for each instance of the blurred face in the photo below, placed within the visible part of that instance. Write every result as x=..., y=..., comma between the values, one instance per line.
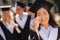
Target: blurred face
x=44, y=15
x=6, y=15
x=19, y=10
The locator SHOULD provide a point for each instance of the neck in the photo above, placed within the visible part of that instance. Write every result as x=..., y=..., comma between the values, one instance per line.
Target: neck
x=21, y=14
x=46, y=25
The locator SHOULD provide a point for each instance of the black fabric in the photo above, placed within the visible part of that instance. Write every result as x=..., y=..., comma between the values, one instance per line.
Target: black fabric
x=21, y=4
x=5, y=9
x=40, y=3
x=58, y=34
x=33, y=35
x=24, y=32
x=8, y=35
x=1, y=38
x=30, y=4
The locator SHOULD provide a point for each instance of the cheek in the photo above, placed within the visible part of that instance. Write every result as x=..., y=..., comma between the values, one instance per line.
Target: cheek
x=47, y=18
x=17, y=11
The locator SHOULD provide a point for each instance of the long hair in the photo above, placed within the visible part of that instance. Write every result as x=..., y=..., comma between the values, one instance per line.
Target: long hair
x=10, y=17
x=51, y=19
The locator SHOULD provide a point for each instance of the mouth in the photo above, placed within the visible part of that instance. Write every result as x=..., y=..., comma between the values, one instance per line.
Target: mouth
x=43, y=20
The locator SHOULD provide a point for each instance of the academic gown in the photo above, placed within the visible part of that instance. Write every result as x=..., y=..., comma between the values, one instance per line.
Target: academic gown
x=31, y=23
x=24, y=31
x=1, y=38
x=33, y=35
x=7, y=33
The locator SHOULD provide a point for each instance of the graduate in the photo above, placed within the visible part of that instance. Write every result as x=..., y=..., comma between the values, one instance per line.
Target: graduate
x=23, y=20
x=8, y=28
x=31, y=14
x=45, y=27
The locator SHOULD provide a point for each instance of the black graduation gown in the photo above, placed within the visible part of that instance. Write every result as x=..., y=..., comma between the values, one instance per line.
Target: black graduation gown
x=1, y=38
x=33, y=34
x=7, y=33
x=24, y=32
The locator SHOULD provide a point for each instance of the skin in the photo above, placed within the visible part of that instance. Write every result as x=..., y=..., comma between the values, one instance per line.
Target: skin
x=42, y=18
x=19, y=10
x=6, y=16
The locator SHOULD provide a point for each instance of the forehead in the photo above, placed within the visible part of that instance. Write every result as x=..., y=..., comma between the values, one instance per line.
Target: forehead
x=42, y=9
x=18, y=7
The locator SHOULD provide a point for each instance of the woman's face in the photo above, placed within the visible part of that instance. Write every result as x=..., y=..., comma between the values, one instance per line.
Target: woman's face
x=44, y=15
x=6, y=15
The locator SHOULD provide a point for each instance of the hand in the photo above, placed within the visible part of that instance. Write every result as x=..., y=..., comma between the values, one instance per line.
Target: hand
x=36, y=23
x=15, y=25
x=17, y=29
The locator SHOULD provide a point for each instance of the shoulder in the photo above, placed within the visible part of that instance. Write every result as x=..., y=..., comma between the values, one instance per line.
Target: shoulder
x=25, y=13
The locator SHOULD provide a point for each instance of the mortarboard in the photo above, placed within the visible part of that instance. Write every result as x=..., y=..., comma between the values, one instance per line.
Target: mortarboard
x=38, y=4
x=5, y=8
x=21, y=4
x=30, y=4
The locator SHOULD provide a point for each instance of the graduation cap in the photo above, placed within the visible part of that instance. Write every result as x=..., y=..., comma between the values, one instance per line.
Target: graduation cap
x=21, y=4
x=5, y=8
x=30, y=4
x=38, y=4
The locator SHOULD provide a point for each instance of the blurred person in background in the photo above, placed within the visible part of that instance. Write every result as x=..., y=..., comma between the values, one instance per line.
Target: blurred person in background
x=8, y=28
x=23, y=20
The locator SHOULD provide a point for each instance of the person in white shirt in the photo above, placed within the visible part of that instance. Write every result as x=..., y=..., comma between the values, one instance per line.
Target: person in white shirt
x=23, y=20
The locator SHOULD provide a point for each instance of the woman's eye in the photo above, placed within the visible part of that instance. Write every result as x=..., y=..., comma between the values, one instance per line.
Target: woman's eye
x=39, y=15
x=44, y=13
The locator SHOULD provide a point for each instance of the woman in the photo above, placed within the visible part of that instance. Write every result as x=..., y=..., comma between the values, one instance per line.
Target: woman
x=8, y=27
x=45, y=27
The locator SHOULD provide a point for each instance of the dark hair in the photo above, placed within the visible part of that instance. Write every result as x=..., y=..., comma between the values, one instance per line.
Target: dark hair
x=51, y=19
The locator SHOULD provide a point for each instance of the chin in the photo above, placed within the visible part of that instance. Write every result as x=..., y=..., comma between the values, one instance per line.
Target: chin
x=44, y=22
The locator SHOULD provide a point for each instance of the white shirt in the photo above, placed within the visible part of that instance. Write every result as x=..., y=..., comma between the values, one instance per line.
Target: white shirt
x=31, y=23
x=2, y=33
x=23, y=21
x=49, y=34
